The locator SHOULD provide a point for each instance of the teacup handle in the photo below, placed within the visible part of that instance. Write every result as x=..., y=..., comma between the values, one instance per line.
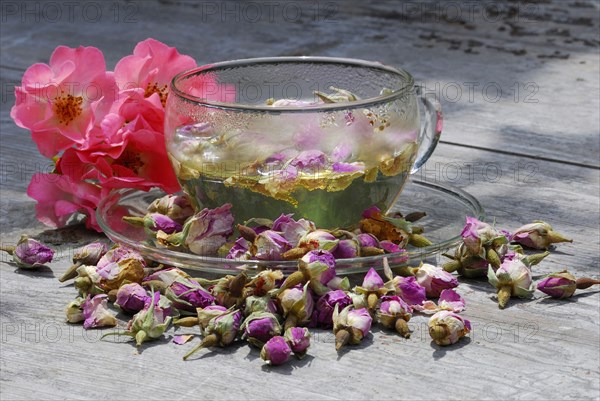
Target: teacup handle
x=431, y=127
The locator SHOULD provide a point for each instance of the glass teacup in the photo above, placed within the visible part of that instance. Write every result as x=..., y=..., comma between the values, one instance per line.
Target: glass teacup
x=322, y=138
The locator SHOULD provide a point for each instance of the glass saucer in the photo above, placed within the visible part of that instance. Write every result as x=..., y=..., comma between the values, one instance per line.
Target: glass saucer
x=445, y=205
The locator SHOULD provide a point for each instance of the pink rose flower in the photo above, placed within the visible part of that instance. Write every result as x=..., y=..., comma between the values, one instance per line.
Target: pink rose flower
x=59, y=102
x=151, y=68
x=59, y=198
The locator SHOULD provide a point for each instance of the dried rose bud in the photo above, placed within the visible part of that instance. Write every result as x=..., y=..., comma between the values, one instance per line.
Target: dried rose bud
x=205, y=315
x=316, y=268
x=358, y=300
x=276, y=351
x=319, y=239
x=220, y=331
x=131, y=298
x=153, y=223
x=538, y=235
x=394, y=313
x=558, y=285
x=298, y=305
x=117, y=254
x=368, y=240
x=202, y=318
x=350, y=325
x=259, y=304
x=323, y=313
x=390, y=247
x=88, y=255
x=449, y=300
x=447, y=328
x=291, y=229
x=207, y=230
x=372, y=288
x=346, y=249
x=113, y=275
x=95, y=312
x=408, y=289
x=29, y=253
x=466, y=264
x=513, y=278
x=434, y=279
x=338, y=283
x=269, y=245
x=88, y=281
x=239, y=250
x=260, y=327
x=298, y=338
x=185, y=293
x=204, y=233
x=229, y=290
x=74, y=311
x=264, y=282
x=477, y=234
x=176, y=207
x=148, y=324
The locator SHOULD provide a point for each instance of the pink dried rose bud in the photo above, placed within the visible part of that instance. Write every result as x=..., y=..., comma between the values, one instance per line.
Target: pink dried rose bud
x=74, y=311
x=368, y=240
x=350, y=325
x=148, y=324
x=29, y=253
x=435, y=279
x=154, y=223
x=131, y=298
x=563, y=284
x=276, y=351
x=260, y=327
x=298, y=338
x=118, y=253
x=259, y=304
x=88, y=255
x=220, y=331
x=319, y=239
x=291, y=229
x=408, y=289
x=95, y=312
x=202, y=318
x=465, y=263
x=347, y=249
x=239, y=250
x=477, y=235
x=204, y=233
x=176, y=207
x=298, y=305
x=538, y=235
x=323, y=314
x=95, y=279
x=447, y=328
x=449, y=300
x=513, y=278
x=372, y=288
x=317, y=268
x=394, y=313
x=185, y=292
x=269, y=245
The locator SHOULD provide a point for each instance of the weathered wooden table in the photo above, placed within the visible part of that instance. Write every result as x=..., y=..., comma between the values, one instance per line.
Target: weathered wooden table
x=519, y=83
